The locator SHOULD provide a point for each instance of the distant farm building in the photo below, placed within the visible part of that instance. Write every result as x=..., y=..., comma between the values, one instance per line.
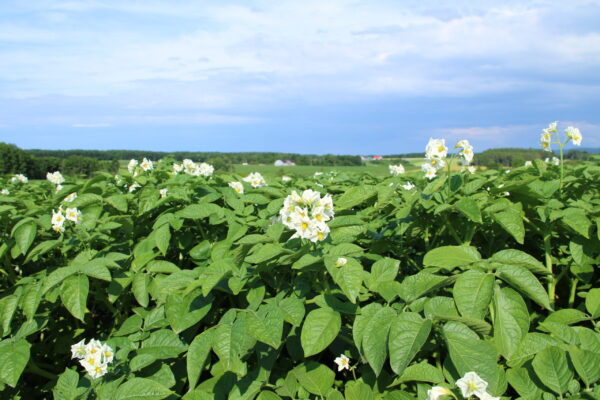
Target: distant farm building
x=284, y=163
x=371, y=158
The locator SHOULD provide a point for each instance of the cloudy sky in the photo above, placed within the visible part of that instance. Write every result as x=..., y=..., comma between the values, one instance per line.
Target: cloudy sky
x=311, y=76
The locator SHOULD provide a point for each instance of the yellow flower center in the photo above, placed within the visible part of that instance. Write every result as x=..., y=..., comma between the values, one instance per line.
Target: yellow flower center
x=319, y=217
x=304, y=226
x=441, y=149
x=320, y=235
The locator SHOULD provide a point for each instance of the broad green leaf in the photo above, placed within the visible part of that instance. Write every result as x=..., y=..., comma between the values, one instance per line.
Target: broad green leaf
x=522, y=380
x=552, y=368
x=66, y=386
x=511, y=221
x=139, y=287
x=592, y=302
x=73, y=294
x=183, y=311
x=375, y=339
x=473, y=292
x=422, y=283
x=524, y=281
x=24, y=235
x=576, y=219
x=14, y=356
x=227, y=344
x=265, y=253
x=384, y=270
x=314, y=377
x=141, y=389
x=518, y=257
x=422, y=372
x=96, y=269
x=358, y=391
x=511, y=320
x=162, y=238
x=354, y=196
x=197, y=355
x=586, y=364
x=162, y=344
x=469, y=208
x=531, y=344
x=320, y=328
x=8, y=306
x=266, y=325
x=293, y=310
x=408, y=334
x=450, y=257
x=32, y=297
x=362, y=322
x=349, y=277
x=129, y=326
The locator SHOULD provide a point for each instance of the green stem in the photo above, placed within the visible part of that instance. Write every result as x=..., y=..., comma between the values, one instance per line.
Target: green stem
x=561, y=145
x=572, y=293
x=453, y=232
x=34, y=369
x=548, y=257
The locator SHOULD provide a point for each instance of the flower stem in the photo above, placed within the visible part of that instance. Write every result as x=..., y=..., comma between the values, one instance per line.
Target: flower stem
x=548, y=257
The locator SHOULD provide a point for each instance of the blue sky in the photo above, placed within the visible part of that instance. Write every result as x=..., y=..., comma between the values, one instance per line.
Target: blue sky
x=312, y=76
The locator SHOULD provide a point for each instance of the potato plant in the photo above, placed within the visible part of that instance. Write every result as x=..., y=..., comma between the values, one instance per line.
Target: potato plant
x=202, y=292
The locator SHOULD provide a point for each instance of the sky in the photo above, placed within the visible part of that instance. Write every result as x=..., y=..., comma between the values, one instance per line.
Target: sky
x=311, y=76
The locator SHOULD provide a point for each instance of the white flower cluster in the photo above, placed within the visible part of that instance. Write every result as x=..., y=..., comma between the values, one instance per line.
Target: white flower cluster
x=466, y=151
x=58, y=218
x=396, y=170
x=70, y=197
x=285, y=178
x=255, y=179
x=237, y=187
x=195, y=169
x=408, y=186
x=19, y=178
x=146, y=165
x=133, y=187
x=436, y=152
x=548, y=133
x=307, y=214
x=470, y=385
x=55, y=177
x=94, y=356
x=5, y=192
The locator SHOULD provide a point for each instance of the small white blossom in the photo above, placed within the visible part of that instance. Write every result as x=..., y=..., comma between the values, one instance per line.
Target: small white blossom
x=528, y=163
x=5, y=192
x=472, y=384
x=574, y=134
x=436, y=392
x=73, y=214
x=436, y=148
x=318, y=173
x=408, y=186
x=256, y=180
x=147, y=165
x=238, y=187
x=472, y=169
x=58, y=188
x=430, y=170
x=285, y=178
x=19, y=178
x=163, y=192
x=341, y=261
x=396, y=169
x=70, y=197
x=78, y=350
x=342, y=362
x=133, y=187
x=177, y=168
x=132, y=166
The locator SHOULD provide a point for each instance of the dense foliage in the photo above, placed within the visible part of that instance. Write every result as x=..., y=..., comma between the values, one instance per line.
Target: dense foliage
x=516, y=157
x=202, y=294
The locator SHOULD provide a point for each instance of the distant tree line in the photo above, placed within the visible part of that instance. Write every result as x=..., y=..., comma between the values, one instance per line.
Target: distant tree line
x=215, y=157
x=516, y=157
x=16, y=161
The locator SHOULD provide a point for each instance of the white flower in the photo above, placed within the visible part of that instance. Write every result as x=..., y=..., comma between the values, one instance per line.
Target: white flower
x=163, y=192
x=574, y=134
x=546, y=146
x=438, y=391
x=256, y=180
x=555, y=161
x=545, y=136
x=5, y=191
x=133, y=187
x=132, y=165
x=552, y=126
x=472, y=169
x=73, y=214
x=462, y=143
x=285, y=178
x=238, y=187
x=97, y=371
x=472, y=384
x=55, y=177
x=487, y=396
x=429, y=170
x=396, y=169
x=436, y=148
x=205, y=169
x=147, y=165
x=58, y=188
x=177, y=168
x=467, y=154
x=78, y=350
x=342, y=362
x=307, y=214
x=58, y=219
x=70, y=197
x=318, y=173
x=528, y=163
x=107, y=354
x=19, y=178
x=408, y=186
x=341, y=261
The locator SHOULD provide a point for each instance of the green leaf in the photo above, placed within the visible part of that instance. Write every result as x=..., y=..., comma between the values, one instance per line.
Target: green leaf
x=531, y=344
x=141, y=361
x=320, y=328
x=162, y=238
x=73, y=294
x=524, y=281
x=375, y=339
x=451, y=256
x=408, y=334
x=469, y=208
x=266, y=325
x=197, y=355
x=511, y=221
x=8, y=306
x=183, y=311
x=66, y=386
x=141, y=389
x=14, y=356
x=354, y=196
x=129, y=326
x=139, y=287
x=576, y=219
x=361, y=323
x=592, y=302
x=518, y=257
x=293, y=310
x=349, y=277
x=511, y=320
x=96, y=268
x=32, y=297
x=227, y=344
x=522, y=380
x=265, y=253
x=473, y=292
x=358, y=391
x=586, y=364
x=552, y=367
x=314, y=377
x=24, y=235
x=422, y=372
x=162, y=344
x=384, y=270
